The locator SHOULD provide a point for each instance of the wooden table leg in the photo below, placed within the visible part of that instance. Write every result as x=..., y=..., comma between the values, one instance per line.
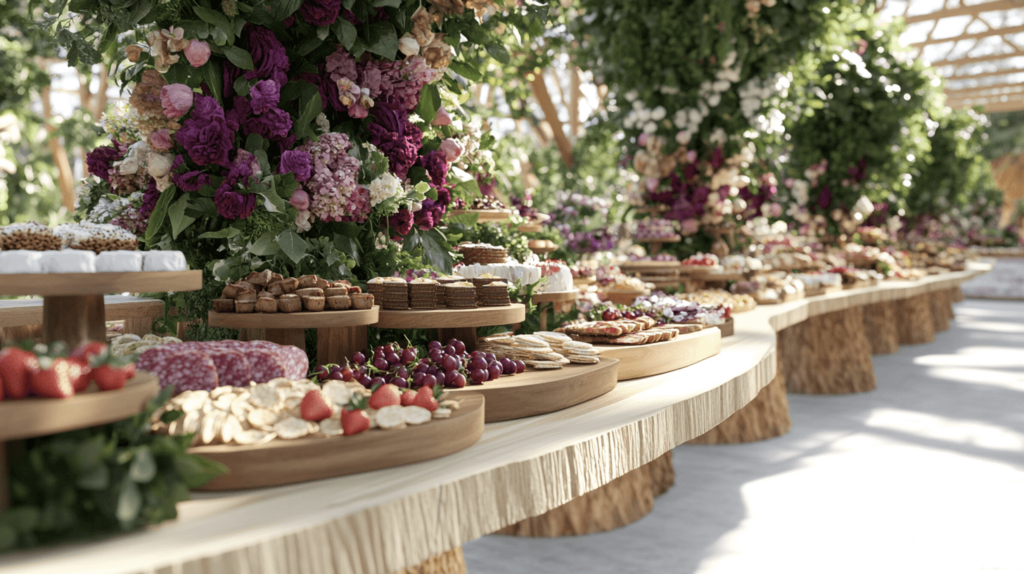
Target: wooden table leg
x=880, y=327
x=335, y=345
x=828, y=354
x=543, y=316
x=765, y=417
x=74, y=319
x=956, y=294
x=914, y=320
x=465, y=334
x=939, y=301
x=620, y=502
x=450, y=562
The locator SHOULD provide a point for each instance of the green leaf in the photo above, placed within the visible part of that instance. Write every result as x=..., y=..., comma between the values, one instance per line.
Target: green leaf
x=143, y=467
x=96, y=479
x=238, y=57
x=156, y=219
x=465, y=219
x=282, y=9
x=265, y=245
x=8, y=537
x=218, y=19
x=293, y=246
x=349, y=246
x=382, y=40
x=129, y=502
x=466, y=71
x=322, y=32
x=430, y=102
x=311, y=43
x=241, y=86
x=179, y=221
x=387, y=4
x=499, y=53
x=435, y=247
x=345, y=32
x=212, y=76
x=197, y=471
x=310, y=110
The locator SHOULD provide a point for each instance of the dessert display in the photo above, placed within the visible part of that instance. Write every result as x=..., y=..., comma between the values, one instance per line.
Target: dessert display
x=494, y=294
x=482, y=253
x=56, y=372
x=640, y=330
x=702, y=261
x=460, y=295
x=425, y=293
x=738, y=302
x=551, y=276
x=95, y=237
x=542, y=245
x=673, y=311
x=777, y=287
x=741, y=264
x=23, y=261
x=542, y=350
x=31, y=236
x=125, y=345
x=207, y=365
x=819, y=283
x=655, y=229
x=267, y=292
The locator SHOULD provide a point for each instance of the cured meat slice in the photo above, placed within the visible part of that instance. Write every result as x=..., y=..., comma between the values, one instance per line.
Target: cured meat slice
x=183, y=369
x=295, y=361
x=233, y=367
x=266, y=365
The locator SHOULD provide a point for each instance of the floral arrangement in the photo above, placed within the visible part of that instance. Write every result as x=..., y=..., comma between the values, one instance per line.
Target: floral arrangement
x=312, y=136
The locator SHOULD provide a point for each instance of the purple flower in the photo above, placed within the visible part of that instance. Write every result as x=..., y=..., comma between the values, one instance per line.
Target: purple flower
x=320, y=12
x=275, y=123
x=328, y=89
x=206, y=135
x=487, y=184
x=100, y=159
x=268, y=55
x=298, y=162
x=401, y=222
x=233, y=205
x=242, y=169
x=395, y=137
x=264, y=95
x=149, y=200
x=436, y=166
x=191, y=180
x=825, y=197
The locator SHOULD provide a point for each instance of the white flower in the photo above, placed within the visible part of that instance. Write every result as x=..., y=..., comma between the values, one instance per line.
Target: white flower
x=415, y=206
x=408, y=45
x=658, y=113
x=160, y=164
x=650, y=127
x=384, y=187
x=632, y=95
x=720, y=85
x=323, y=123
x=718, y=137
x=683, y=137
x=302, y=220
x=864, y=206
x=801, y=192
x=715, y=99
x=381, y=241
x=730, y=59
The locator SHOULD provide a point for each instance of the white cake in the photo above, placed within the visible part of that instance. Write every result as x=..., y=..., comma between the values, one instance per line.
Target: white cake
x=68, y=261
x=164, y=261
x=20, y=261
x=511, y=272
x=557, y=278
x=119, y=261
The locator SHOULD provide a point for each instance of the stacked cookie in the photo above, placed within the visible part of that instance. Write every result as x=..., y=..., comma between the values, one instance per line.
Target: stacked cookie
x=460, y=295
x=395, y=294
x=576, y=351
x=482, y=253
x=493, y=294
x=424, y=293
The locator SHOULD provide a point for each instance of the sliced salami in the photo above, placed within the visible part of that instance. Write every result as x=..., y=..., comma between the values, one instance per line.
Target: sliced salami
x=295, y=360
x=266, y=365
x=183, y=369
x=233, y=367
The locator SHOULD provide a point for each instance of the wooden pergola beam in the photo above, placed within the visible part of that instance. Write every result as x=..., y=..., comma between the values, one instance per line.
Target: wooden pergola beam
x=540, y=93
x=963, y=11
x=977, y=59
x=976, y=36
x=991, y=74
x=982, y=90
x=1013, y=105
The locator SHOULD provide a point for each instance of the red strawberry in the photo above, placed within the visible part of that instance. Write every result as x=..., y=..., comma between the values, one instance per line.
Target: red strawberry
x=315, y=406
x=110, y=377
x=408, y=397
x=1, y=388
x=15, y=366
x=385, y=396
x=54, y=378
x=82, y=380
x=354, y=422
x=425, y=398
x=89, y=349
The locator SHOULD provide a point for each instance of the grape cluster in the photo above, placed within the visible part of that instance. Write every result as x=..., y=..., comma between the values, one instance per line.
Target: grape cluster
x=448, y=365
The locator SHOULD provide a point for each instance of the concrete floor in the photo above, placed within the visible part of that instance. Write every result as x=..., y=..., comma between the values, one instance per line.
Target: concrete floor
x=923, y=475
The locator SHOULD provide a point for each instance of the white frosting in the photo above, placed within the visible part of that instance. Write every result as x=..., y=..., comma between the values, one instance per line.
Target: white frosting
x=560, y=280
x=20, y=261
x=164, y=261
x=119, y=261
x=512, y=272
x=68, y=261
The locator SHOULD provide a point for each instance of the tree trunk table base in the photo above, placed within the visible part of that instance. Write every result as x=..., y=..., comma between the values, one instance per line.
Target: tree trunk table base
x=450, y=562
x=765, y=417
x=914, y=320
x=828, y=354
x=620, y=502
x=956, y=294
x=941, y=310
x=880, y=328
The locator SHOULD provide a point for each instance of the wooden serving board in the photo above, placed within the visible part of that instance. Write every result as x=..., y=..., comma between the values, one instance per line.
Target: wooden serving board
x=37, y=416
x=485, y=215
x=536, y=392
x=77, y=284
x=637, y=361
x=625, y=296
x=447, y=318
x=282, y=462
x=556, y=296
x=728, y=328
x=301, y=320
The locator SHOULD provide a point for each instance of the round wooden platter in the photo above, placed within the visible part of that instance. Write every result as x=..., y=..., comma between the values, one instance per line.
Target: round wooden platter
x=556, y=296
x=625, y=296
x=544, y=250
x=728, y=328
x=447, y=318
x=37, y=416
x=583, y=281
x=637, y=361
x=485, y=215
x=281, y=462
x=663, y=282
x=700, y=270
x=649, y=266
x=536, y=392
x=75, y=284
x=302, y=320
x=673, y=239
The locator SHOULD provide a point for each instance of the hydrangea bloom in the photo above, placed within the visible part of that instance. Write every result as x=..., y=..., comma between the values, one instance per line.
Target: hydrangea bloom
x=333, y=184
x=384, y=187
x=264, y=95
x=206, y=135
x=190, y=180
x=436, y=166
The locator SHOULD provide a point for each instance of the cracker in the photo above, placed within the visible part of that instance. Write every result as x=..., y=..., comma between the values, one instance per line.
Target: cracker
x=544, y=365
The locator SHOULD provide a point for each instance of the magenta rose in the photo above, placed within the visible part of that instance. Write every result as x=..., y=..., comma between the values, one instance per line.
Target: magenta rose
x=176, y=99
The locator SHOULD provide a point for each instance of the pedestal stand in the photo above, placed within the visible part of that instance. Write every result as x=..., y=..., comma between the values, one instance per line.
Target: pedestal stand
x=914, y=320
x=450, y=323
x=880, y=328
x=828, y=354
x=559, y=301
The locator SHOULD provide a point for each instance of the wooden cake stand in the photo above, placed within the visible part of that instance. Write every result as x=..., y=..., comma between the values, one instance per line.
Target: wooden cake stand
x=282, y=461
x=654, y=245
x=485, y=215
x=73, y=309
x=35, y=416
x=339, y=333
x=536, y=392
x=544, y=250
x=450, y=323
x=636, y=361
x=558, y=300
x=625, y=296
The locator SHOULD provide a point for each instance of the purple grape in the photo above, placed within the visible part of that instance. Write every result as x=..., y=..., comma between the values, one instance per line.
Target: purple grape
x=459, y=345
x=449, y=377
x=476, y=354
x=421, y=368
x=450, y=350
x=378, y=349
x=508, y=367
x=490, y=358
x=408, y=356
x=417, y=379
x=359, y=358
x=520, y=366
x=402, y=373
x=436, y=355
x=376, y=381
x=433, y=370
x=479, y=375
x=400, y=382
x=458, y=382
x=380, y=364
x=434, y=345
x=495, y=370
x=321, y=372
x=391, y=358
x=478, y=363
x=429, y=381
x=450, y=363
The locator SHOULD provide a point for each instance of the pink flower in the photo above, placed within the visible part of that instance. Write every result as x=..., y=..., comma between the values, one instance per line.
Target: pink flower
x=176, y=99
x=160, y=140
x=442, y=118
x=197, y=52
x=451, y=149
x=300, y=200
x=689, y=227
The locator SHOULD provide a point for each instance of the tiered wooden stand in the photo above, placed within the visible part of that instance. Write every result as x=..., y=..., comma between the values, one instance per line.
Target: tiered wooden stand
x=459, y=324
x=485, y=215
x=313, y=458
x=544, y=250
x=560, y=301
x=637, y=361
x=654, y=245
x=339, y=333
x=828, y=354
x=625, y=296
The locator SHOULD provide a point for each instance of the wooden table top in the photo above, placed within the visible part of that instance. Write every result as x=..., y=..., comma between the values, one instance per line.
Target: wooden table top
x=386, y=520
x=22, y=312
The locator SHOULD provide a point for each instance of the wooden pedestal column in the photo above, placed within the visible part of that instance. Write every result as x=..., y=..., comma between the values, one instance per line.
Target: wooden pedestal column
x=74, y=319
x=767, y=416
x=941, y=310
x=914, y=320
x=956, y=294
x=880, y=328
x=336, y=344
x=828, y=354
x=465, y=334
x=450, y=562
x=620, y=502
